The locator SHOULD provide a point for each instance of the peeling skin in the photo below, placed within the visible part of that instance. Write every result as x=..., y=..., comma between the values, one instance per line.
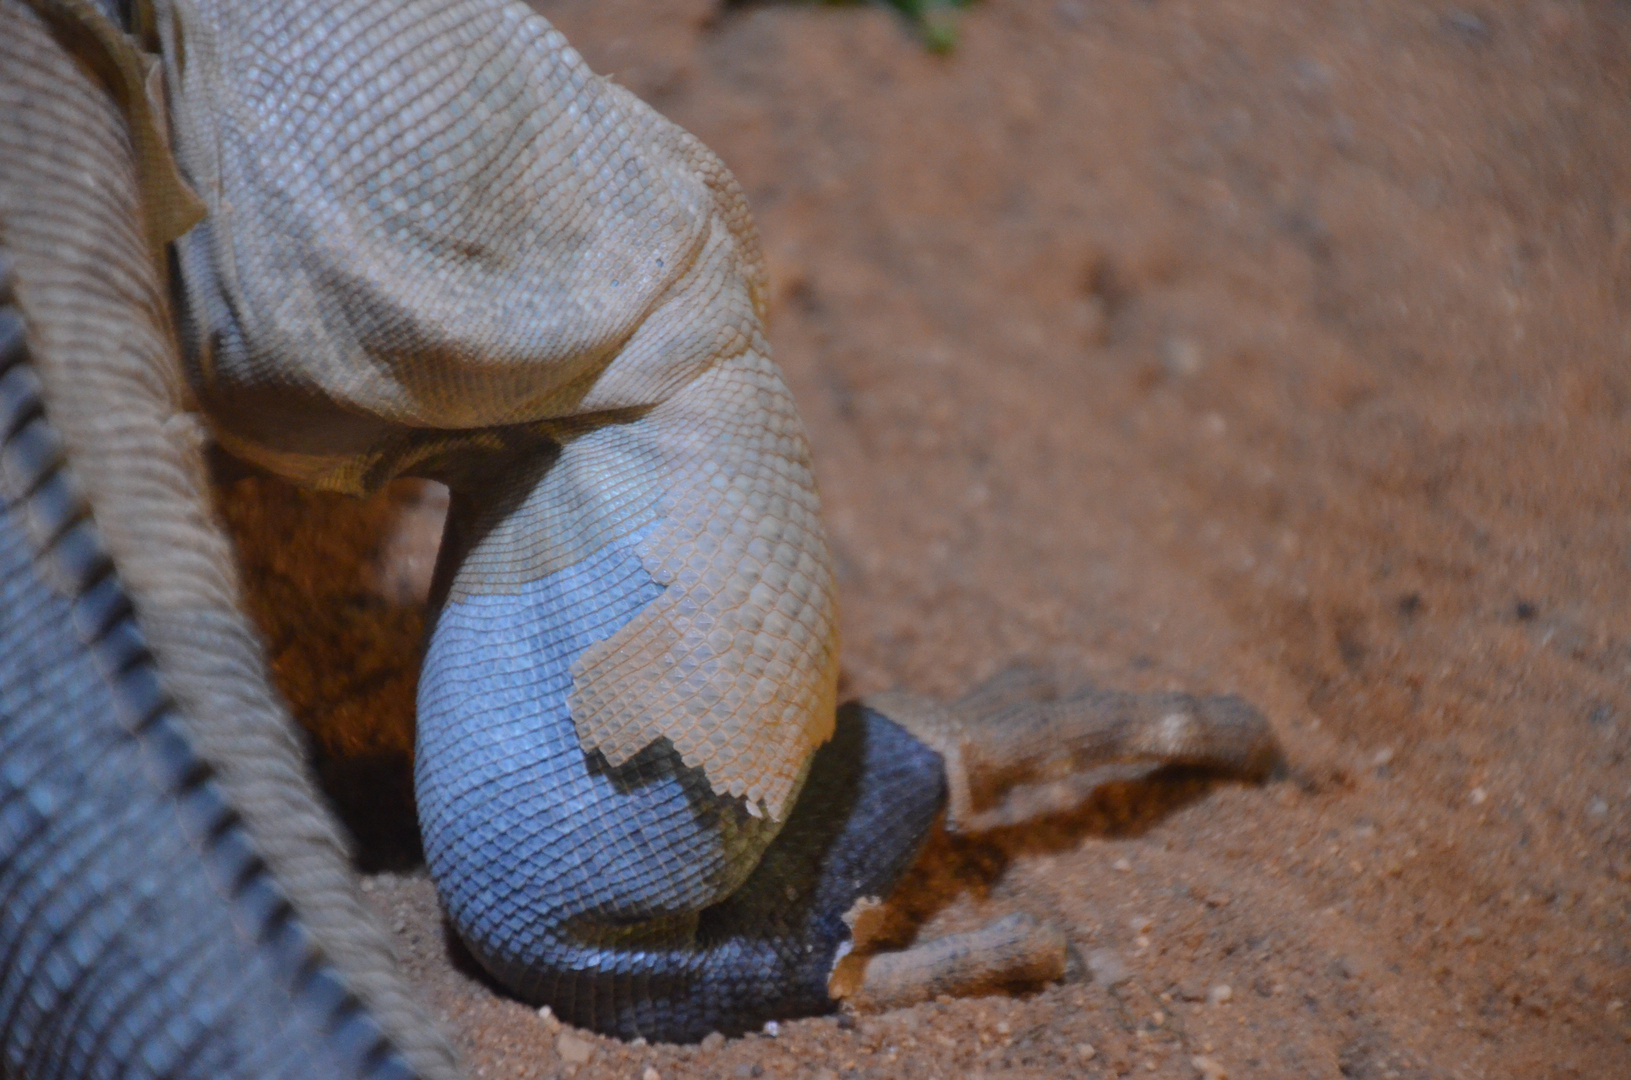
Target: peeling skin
x=1011, y=759
x=1015, y=950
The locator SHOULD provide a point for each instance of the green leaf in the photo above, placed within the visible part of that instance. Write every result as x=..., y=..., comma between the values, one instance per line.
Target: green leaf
x=930, y=19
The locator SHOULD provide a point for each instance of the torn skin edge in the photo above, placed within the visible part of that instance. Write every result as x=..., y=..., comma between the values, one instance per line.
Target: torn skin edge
x=865, y=918
x=938, y=727
x=1014, y=951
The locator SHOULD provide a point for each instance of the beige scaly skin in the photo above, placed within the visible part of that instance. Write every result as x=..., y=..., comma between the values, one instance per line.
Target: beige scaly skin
x=437, y=245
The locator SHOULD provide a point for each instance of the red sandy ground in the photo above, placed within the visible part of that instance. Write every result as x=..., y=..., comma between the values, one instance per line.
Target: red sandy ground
x=1272, y=348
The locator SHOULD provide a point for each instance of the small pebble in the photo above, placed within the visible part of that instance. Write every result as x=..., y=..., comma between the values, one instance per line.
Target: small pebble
x=1468, y=27
x=1085, y=1052
x=1382, y=757
x=749, y=1071
x=1107, y=967
x=1472, y=935
x=1123, y=865
x=1220, y=994
x=1477, y=796
x=713, y=1041
x=651, y=1074
x=1597, y=807
x=1556, y=21
x=772, y=1028
x=1311, y=75
x=574, y=1050
x=1209, y=1068
x=1181, y=356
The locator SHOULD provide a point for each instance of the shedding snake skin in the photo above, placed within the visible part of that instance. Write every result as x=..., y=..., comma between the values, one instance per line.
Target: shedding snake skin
x=421, y=238
x=496, y=269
